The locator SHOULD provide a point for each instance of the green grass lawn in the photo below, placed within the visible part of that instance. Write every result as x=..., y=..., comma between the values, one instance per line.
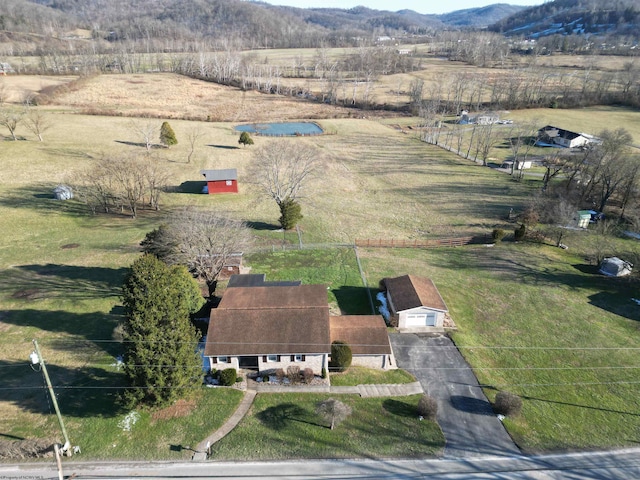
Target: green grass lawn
x=362, y=376
x=61, y=270
x=539, y=322
x=377, y=428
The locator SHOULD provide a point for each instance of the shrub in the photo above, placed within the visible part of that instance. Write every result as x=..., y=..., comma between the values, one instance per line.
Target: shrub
x=280, y=374
x=265, y=378
x=228, y=377
x=427, y=407
x=167, y=135
x=324, y=373
x=245, y=139
x=307, y=375
x=497, y=235
x=507, y=403
x=520, y=232
x=293, y=374
x=340, y=356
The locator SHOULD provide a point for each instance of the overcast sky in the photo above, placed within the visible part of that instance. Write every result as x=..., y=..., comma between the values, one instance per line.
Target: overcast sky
x=420, y=6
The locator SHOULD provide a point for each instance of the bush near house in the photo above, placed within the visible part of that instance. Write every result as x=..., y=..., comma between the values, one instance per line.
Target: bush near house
x=228, y=377
x=341, y=356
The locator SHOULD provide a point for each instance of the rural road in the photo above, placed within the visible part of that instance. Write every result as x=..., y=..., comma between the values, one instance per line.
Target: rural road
x=615, y=465
x=470, y=427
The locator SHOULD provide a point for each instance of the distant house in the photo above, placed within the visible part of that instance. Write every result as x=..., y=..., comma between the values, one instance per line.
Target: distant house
x=415, y=304
x=221, y=181
x=564, y=138
x=486, y=118
x=5, y=68
x=275, y=326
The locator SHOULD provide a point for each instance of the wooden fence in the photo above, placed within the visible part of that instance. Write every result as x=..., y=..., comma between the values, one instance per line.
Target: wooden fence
x=432, y=243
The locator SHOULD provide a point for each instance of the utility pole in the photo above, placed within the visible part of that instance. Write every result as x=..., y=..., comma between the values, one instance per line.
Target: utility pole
x=36, y=358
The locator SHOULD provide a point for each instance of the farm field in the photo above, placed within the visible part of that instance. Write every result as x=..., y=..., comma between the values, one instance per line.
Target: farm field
x=61, y=269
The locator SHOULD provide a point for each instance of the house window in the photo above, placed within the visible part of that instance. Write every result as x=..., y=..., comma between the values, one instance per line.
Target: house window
x=229, y=183
x=223, y=359
x=298, y=358
x=272, y=358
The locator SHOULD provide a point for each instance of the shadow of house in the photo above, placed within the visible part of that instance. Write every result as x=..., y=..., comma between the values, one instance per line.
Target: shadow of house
x=191, y=186
x=355, y=300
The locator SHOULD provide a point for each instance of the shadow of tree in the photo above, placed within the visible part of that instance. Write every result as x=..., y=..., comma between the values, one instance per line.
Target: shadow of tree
x=81, y=392
x=39, y=197
x=263, y=226
x=402, y=409
x=95, y=327
x=154, y=146
x=51, y=280
x=226, y=147
x=471, y=405
x=280, y=416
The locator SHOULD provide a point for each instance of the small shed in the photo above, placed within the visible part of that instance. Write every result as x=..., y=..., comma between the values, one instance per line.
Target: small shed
x=583, y=218
x=615, y=267
x=221, y=181
x=63, y=192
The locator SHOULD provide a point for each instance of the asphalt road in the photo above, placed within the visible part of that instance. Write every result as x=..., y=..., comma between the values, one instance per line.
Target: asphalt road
x=470, y=427
x=616, y=465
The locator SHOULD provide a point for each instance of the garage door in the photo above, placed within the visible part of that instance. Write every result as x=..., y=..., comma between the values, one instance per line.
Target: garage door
x=421, y=320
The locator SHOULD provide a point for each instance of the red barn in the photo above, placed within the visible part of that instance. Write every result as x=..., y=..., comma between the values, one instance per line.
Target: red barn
x=221, y=181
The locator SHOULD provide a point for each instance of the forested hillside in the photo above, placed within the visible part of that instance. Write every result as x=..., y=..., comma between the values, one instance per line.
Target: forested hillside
x=567, y=17
x=169, y=25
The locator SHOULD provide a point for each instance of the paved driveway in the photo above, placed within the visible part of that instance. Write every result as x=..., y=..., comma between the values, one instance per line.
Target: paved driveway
x=469, y=425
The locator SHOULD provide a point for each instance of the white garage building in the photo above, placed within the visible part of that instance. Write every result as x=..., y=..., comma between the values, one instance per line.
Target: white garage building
x=415, y=304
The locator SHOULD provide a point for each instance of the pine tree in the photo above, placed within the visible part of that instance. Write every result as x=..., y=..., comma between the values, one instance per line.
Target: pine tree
x=161, y=358
x=167, y=135
x=290, y=213
x=245, y=139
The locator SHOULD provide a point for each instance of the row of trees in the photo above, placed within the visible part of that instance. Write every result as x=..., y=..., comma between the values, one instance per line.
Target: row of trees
x=124, y=183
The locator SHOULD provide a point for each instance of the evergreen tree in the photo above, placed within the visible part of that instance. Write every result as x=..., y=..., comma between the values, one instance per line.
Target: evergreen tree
x=341, y=356
x=290, y=213
x=245, y=139
x=161, y=357
x=167, y=135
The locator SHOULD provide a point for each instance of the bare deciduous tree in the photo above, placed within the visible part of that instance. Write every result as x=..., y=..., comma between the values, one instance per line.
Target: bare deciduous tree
x=192, y=138
x=282, y=168
x=333, y=411
x=121, y=182
x=204, y=241
x=37, y=122
x=147, y=130
x=10, y=119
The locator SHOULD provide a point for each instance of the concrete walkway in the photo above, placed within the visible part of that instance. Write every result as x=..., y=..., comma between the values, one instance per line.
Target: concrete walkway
x=203, y=447
x=390, y=390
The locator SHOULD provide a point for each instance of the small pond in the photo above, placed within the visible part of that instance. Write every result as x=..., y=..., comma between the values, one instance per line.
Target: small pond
x=284, y=129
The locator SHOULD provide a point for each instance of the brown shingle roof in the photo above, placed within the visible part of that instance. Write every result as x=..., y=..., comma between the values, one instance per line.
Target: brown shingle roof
x=365, y=334
x=270, y=320
x=272, y=331
x=301, y=296
x=410, y=291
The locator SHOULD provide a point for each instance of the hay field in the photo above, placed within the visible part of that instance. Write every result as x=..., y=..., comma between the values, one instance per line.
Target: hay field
x=175, y=96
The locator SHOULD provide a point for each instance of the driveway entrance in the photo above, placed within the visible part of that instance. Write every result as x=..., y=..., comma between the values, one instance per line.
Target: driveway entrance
x=470, y=427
